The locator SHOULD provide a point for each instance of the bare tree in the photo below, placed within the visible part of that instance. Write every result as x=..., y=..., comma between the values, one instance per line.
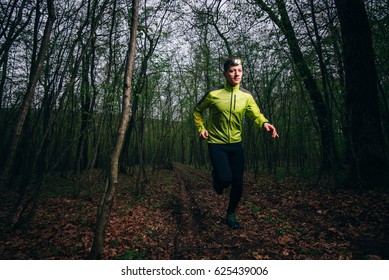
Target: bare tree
x=369, y=166
x=284, y=23
x=9, y=31
x=88, y=99
x=35, y=71
x=105, y=205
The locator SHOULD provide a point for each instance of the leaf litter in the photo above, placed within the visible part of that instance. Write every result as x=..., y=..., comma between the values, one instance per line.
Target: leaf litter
x=180, y=217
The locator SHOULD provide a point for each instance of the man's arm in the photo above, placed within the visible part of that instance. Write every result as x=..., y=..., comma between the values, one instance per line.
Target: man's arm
x=254, y=112
x=198, y=117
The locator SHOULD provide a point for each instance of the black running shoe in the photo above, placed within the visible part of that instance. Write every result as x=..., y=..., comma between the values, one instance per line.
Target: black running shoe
x=232, y=221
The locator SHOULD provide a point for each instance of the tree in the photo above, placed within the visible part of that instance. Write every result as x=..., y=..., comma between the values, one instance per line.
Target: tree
x=369, y=166
x=87, y=96
x=284, y=23
x=108, y=195
x=10, y=30
x=35, y=71
x=148, y=46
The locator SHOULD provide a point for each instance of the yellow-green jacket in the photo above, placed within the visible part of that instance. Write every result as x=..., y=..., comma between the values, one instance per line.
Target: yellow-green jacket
x=227, y=106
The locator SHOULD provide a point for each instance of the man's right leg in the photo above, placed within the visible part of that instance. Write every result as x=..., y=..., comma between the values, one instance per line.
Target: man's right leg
x=221, y=172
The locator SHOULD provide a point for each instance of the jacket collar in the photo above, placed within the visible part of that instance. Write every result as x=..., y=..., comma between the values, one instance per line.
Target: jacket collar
x=228, y=87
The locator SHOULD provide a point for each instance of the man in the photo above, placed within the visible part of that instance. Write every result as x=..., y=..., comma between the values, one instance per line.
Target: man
x=227, y=106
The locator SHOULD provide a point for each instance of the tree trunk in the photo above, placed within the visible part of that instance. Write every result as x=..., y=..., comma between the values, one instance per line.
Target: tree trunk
x=150, y=40
x=141, y=179
x=369, y=166
x=11, y=29
x=107, y=197
x=306, y=76
x=35, y=71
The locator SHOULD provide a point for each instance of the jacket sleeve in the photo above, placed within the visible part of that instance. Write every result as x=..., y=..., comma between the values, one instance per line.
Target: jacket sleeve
x=198, y=113
x=254, y=112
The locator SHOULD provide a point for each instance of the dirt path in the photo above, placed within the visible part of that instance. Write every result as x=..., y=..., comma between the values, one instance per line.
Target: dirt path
x=189, y=217
x=181, y=217
x=200, y=213
x=281, y=220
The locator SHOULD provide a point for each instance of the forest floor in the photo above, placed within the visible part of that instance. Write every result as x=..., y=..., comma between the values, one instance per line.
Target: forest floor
x=181, y=217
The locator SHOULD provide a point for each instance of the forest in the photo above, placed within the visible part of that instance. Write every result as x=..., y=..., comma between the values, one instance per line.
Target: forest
x=100, y=157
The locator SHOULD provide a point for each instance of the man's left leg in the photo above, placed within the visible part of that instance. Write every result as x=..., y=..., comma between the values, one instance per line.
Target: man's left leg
x=237, y=167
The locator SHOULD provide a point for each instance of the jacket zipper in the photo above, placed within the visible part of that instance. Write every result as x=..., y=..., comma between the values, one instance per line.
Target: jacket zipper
x=229, y=121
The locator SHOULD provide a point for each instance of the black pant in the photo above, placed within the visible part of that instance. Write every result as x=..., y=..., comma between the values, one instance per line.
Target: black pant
x=228, y=167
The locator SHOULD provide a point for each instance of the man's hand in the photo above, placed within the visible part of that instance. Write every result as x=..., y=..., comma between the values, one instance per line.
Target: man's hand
x=270, y=128
x=204, y=134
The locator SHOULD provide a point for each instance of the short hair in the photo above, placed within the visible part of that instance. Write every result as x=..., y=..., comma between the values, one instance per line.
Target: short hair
x=232, y=61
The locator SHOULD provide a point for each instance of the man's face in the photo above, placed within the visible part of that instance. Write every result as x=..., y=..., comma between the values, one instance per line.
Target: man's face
x=234, y=75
